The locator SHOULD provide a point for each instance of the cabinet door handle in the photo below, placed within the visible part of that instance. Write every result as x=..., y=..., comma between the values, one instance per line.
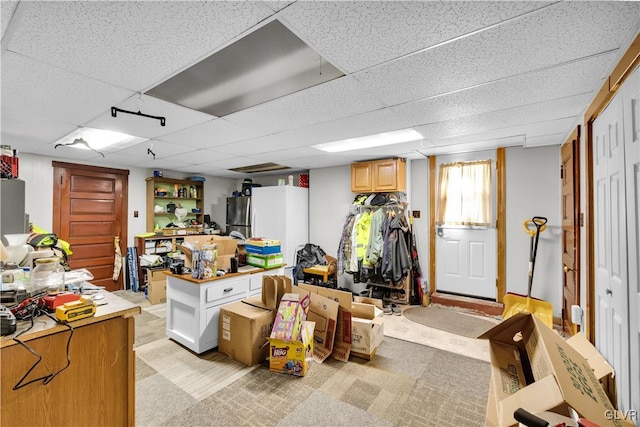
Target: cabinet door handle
x=227, y=290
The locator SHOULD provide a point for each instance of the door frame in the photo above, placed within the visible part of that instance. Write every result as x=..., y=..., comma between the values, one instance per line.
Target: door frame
x=622, y=70
x=574, y=140
x=501, y=224
x=57, y=205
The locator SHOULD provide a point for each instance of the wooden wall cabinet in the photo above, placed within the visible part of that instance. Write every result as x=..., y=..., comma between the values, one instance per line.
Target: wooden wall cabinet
x=188, y=202
x=373, y=176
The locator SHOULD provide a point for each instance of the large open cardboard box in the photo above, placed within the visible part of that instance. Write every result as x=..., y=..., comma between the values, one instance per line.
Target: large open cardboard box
x=324, y=313
x=243, y=330
x=367, y=329
x=533, y=368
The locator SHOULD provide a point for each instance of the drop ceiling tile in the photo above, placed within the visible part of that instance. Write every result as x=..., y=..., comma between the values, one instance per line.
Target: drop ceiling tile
x=575, y=78
x=161, y=149
x=318, y=161
x=7, y=8
x=357, y=35
x=540, y=112
x=200, y=157
x=277, y=5
x=336, y=99
x=129, y=43
x=177, y=117
x=31, y=128
x=41, y=90
x=369, y=123
x=211, y=134
x=259, y=145
x=281, y=156
x=521, y=132
x=538, y=40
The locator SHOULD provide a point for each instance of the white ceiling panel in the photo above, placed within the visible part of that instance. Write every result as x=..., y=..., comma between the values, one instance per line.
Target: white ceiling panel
x=335, y=99
x=534, y=113
x=522, y=132
x=7, y=8
x=536, y=41
x=467, y=75
x=38, y=89
x=177, y=117
x=127, y=43
x=259, y=145
x=211, y=134
x=574, y=78
x=357, y=35
x=32, y=129
x=369, y=123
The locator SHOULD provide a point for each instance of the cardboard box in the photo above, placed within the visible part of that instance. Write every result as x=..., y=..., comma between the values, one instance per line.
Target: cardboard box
x=601, y=368
x=225, y=245
x=556, y=376
x=265, y=261
x=273, y=288
x=156, y=275
x=324, y=313
x=292, y=356
x=342, y=342
x=157, y=292
x=367, y=329
x=292, y=311
x=243, y=332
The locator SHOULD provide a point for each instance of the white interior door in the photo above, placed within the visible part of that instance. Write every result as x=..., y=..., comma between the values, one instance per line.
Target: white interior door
x=465, y=261
x=611, y=287
x=631, y=107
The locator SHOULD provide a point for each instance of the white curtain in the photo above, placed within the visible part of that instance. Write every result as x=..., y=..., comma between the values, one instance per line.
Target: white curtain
x=464, y=194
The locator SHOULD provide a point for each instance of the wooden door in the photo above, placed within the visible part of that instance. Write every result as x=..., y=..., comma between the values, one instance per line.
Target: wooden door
x=610, y=245
x=89, y=211
x=570, y=176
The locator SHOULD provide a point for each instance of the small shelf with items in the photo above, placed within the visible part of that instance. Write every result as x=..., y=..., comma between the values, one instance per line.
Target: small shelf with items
x=165, y=196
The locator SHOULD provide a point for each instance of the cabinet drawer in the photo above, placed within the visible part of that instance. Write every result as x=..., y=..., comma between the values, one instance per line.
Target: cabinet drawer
x=227, y=289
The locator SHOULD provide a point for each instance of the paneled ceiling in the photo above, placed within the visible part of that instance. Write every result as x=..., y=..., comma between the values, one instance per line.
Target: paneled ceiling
x=466, y=75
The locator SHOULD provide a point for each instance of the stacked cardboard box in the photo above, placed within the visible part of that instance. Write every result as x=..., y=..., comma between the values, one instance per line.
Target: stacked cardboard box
x=156, y=282
x=264, y=253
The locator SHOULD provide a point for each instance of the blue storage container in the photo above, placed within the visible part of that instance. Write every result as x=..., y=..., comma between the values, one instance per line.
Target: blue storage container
x=262, y=250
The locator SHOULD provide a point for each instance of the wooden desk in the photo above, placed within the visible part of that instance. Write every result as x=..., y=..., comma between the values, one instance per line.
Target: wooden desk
x=98, y=387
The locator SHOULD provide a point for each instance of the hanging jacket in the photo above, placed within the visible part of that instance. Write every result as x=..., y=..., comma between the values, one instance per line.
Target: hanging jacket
x=363, y=227
x=374, y=246
x=395, y=260
x=344, y=248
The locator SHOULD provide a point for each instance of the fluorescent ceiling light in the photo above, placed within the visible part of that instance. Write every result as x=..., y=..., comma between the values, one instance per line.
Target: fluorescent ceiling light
x=100, y=139
x=378, y=140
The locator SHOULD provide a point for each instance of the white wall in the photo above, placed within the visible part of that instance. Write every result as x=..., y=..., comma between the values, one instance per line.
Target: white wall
x=533, y=189
x=418, y=197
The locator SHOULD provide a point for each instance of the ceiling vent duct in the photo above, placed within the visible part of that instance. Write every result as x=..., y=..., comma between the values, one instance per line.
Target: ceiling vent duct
x=269, y=63
x=262, y=167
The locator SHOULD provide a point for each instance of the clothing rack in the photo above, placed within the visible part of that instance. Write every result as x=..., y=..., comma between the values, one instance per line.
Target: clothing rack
x=397, y=208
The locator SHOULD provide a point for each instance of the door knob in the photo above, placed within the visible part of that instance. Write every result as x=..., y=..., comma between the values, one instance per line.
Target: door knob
x=567, y=269
x=609, y=292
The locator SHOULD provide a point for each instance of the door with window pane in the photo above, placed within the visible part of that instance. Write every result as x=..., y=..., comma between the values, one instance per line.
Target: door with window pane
x=466, y=239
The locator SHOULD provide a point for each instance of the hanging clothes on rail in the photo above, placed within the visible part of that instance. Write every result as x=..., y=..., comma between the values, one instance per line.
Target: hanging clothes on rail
x=395, y=255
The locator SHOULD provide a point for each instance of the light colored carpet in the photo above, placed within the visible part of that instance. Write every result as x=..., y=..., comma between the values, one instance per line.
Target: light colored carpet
x=405, y=384
x=449, y=320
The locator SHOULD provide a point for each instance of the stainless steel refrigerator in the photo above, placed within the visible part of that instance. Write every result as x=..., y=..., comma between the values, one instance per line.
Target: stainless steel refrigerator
x=239, y=215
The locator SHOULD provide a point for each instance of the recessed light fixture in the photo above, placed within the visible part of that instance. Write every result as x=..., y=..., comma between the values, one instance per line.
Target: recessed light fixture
x=377, y=140
x=266, y=64
x=99, y=139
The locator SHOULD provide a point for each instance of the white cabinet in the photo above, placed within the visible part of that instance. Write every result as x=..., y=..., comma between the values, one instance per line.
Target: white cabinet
x=193, y=306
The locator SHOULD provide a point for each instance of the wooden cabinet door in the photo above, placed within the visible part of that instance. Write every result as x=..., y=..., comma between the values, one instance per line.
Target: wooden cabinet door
x=388, y=175
x=361, y=177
